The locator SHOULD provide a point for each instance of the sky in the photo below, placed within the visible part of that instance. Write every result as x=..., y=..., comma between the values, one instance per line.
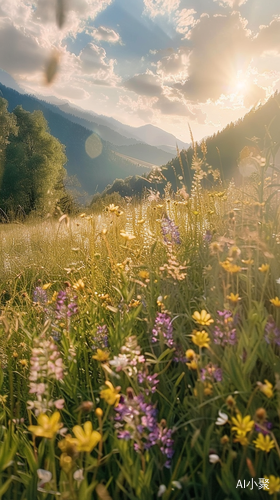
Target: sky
x=171, y=63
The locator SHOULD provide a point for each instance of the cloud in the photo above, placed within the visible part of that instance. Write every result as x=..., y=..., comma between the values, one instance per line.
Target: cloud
x=173, y=67
x=19, y=53
x=185, y=20
x=160, y=7
x=105, y=34
x=93, y=62
x=234, y=4
x=268, y=38
x=144, y=84
x=221, y=48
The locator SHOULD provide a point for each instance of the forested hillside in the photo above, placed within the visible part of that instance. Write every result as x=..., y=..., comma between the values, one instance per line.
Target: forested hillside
x=260, y=128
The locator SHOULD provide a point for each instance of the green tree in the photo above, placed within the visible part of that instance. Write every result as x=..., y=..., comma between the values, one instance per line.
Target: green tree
x=7, y=126
x=34, y=165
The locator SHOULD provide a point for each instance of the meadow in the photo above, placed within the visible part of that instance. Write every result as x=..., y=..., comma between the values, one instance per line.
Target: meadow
x=139, y=347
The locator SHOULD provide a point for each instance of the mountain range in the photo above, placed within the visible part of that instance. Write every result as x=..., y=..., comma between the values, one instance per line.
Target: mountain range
x=123, y=149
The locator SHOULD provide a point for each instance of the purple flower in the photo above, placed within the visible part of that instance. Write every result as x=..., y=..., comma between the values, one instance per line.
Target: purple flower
x=225, y=331
x=207, y=236
x=170, y=231
x=264, y=426
x=179, y=355
x=150, y=380
x=167, y=444
x=212, y=372
x=163, y=326
x=65, y=305
x=101, y=337
x=40, y=296
x=272, y=332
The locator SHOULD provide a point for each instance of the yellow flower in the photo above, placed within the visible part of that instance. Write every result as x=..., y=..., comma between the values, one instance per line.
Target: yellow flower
x=24, y=362
x=86, y=438
x=233, y=297
x=48, y=426
x=229, y=267
x=274, y=484
x=68, y=446
x=264, y=443
x=264, y=268
x=190, y=354
x=127, y=236
x=112, y=208
x=266, y=388
x=242, y=425
x=202, y=318
x=111, y=395
x=275, y=301
x=101, y=356
x=46, y=286
x=143, y=274
x=79, y=285
x=241, y=439
x=66, y=463
x=208, y=388
x=248, y=262
x=201, y=339
x=141, y=221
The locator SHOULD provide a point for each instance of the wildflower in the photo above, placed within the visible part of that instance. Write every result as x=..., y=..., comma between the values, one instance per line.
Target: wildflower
x=248, y=262
x=264, y=268
x=208, y=389
x=66, y=462
x=225, y=331
x=266, y=388
x=112, y=208
x=170, y=231
x=78, y=475
x=275, y=302
x=213, y=458
x=192, y=359
x=150, y=380
x=240, y=438
x=274, y=484
x=143, y=274
x=161, y=490
x=24, y=362
x=229, y=267
x=222, y=419
x=141, y=221
x=233, y=298
x=166, y=443
x=177, y=485
x=101, y=356
x=111, y=395
x=47, y=426
x=207, y=236
x=68, y=445
x=215, y=247
x=242, y=425
x=264, y=443
x=201, y=339
x=99, y=412
x=44, y=477
x=15, y=354
x=163, y=328
x=40, y=295
x=234, y=252
x=224, y=439
x=101, y=337
x=66, y=305
x=86, y=438
x=272, y=332
x=203, y=318
x=212, y=372
x=79, y=285
x=127, y=236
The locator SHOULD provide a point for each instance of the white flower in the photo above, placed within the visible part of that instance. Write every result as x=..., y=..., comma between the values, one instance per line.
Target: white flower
x=161, y=490
x=177, y=484
x=119, y=362
x=213, y=458
x=78, y=475
x=278, y=281
x=222, y=419
x=44, y=476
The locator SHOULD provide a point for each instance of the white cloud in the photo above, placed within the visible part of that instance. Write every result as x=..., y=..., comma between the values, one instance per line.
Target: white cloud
x=268, y=38
x=221, y=48
x=105, y=34
x=234, y=4
x=185, y=20
x=144, y=84
x=160, y=7
x=94, y=63
x=173, y=67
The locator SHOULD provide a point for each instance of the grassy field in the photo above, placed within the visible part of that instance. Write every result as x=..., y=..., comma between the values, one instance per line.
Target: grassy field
x=139, y=348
